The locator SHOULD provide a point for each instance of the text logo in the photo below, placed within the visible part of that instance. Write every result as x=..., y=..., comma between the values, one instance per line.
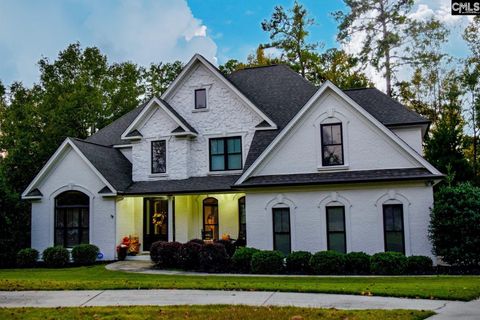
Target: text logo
x=465, y=7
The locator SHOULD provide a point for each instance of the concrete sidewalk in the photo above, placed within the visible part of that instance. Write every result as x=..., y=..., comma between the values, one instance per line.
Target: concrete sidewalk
x=445, y=309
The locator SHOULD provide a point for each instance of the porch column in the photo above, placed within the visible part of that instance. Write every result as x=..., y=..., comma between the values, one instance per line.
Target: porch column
x=170, y=219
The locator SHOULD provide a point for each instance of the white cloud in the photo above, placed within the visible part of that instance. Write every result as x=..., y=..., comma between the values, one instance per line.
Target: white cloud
x=142, y=31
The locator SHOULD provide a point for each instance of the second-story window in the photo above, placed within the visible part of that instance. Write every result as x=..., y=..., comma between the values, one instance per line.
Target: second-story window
x=159, y=156
x=226, y=154
x=332, y=144
x=200, y=99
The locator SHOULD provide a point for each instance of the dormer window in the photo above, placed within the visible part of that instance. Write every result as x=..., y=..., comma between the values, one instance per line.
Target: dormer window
x=332, y=144
x=200, y=99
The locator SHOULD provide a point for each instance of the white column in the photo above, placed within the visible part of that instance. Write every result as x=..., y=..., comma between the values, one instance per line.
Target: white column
x=170, y=218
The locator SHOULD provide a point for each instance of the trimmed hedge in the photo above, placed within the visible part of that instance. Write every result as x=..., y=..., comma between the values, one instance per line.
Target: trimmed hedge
x=165, y=254
x=388, y=263
x=189, y=255
x=242, y=259
x=299, y=262
x=419, y=265
x=27, y=258
x=328, y=262
x=229, y=246
x=213, y=258
x=357, y=263
x=56, y=257
x=267, y=262
x=85, y=254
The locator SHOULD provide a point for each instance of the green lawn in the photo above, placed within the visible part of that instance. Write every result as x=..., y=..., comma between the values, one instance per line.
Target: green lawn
x=97, y=277
x=207, y=312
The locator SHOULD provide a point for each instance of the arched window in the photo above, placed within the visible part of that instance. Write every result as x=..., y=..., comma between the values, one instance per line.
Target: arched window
x=71, y=219
x=242, y=219
x=210, y=219
x=281, y=230
x=393, y=228
x=336, y=231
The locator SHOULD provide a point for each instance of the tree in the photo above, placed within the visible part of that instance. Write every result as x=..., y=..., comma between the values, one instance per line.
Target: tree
x=159, y=76
x=230, y=66
x=288, y=32
x=455, y=225
x=339, y=67
x=392, y=39
x=444, y=148
x=471, y=82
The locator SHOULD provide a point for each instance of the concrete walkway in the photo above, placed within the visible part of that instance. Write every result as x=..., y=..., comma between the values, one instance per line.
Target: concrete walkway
x=444, y=309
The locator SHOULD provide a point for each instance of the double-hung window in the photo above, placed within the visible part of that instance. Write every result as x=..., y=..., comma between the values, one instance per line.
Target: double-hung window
x=336, y=236
x=201, y=99
x=332, y=144
x=281, y=230
x=393, y=227
x=226, y=154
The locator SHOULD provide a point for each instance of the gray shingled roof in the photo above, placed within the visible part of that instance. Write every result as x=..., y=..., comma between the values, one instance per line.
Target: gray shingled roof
x=182, y=120
x=339, y=177
x=388, y=111
x=190, y=185
x=110, y=162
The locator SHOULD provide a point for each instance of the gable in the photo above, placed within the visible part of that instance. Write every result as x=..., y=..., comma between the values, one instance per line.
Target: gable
x=158, y=123
x=370, y=144
x=68, y=167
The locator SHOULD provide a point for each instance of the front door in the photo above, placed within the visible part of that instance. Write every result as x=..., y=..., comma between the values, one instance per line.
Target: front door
x=155, y=221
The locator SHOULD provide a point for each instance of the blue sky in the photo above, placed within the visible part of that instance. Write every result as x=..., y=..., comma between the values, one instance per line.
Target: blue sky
x=145, y=31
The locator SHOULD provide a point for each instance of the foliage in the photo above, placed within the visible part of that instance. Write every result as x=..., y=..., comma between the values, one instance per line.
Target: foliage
x=419, y=265
x=242, y=259
x=267, y=262
x=165, y=254
x=189, y=255
x=27, y=258
x=85, y=254
x=56, y=257
x=213, y=258
x=391, y=38
x=328, y=262
x=229, y=246
x=455, y=225
x=288, y=32
x=357, y=263
x=298, y=262
x=8, y=253
x=217, y=312
x=159, y=76
x=393, y=263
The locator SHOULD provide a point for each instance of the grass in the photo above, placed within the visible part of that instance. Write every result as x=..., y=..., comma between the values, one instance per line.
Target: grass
x=98, y=278
x=207, y=312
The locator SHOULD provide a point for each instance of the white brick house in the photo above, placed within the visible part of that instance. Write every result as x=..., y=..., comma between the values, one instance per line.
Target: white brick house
x=260, y=155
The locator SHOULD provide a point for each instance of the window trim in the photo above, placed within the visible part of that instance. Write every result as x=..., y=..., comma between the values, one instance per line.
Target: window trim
x=151, y=158
x=65, y=228
x=289, y=227
x=195, y=99
x=225, y=153
x=323, y=145
x=344, y=227
x=385, y=229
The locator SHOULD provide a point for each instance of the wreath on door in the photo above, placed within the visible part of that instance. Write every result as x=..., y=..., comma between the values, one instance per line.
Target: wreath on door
x=158, y=218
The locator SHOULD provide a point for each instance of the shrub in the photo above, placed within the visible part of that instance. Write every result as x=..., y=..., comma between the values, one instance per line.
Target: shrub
x=419, y=265
x=455, y=225
x=56, y=257
x=242, y=259
x=198, y=241
x=328, y=262
x=388, y=263
x=189, y=255
x=8, y=253
x=27, y=258
x=85, y=254
x=267, y=262
x=229, y=246
x=299, y=262
x=165, y=254
x=213, y=258
x=357, y=263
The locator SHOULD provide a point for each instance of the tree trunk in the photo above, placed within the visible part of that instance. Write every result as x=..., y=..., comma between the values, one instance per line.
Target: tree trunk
x=388, y=66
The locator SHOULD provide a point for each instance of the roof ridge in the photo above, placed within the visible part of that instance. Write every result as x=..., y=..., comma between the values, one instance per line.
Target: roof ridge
x=89, y=142
x=361, y=88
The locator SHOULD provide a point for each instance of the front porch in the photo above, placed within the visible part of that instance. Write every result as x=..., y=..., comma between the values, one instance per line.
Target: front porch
x=180, y=217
